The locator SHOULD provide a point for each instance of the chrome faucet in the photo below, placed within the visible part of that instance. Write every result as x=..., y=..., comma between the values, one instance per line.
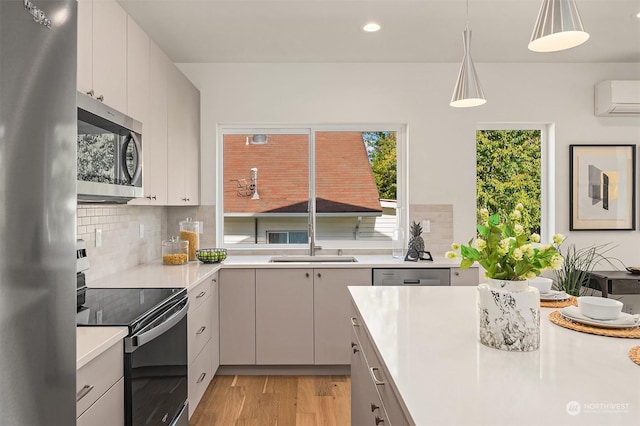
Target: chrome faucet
x=312, y=241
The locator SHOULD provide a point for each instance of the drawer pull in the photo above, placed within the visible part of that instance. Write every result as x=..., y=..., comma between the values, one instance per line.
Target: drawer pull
x=377, y=382
x=202, y=293
x=354, y=322
x=379, y=420
x=374, y=407
x=356, y=350
x=83, y=392
x=201, y=378
x=202, y=329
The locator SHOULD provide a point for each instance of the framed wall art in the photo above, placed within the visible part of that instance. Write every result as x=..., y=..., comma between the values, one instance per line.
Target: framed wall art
x=603, y=187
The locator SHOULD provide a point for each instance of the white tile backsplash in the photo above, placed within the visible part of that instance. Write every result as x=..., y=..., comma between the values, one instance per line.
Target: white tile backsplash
x=122, y=247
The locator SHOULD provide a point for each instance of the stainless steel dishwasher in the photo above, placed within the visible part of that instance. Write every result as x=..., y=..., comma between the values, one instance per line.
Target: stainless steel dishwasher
x=412, y=276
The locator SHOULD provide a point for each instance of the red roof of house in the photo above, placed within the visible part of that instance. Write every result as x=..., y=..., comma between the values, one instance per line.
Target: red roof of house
x=344, y=180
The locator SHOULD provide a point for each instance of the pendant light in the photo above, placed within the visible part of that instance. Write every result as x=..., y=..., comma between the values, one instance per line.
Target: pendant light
x=468, y=92
x=558, y=27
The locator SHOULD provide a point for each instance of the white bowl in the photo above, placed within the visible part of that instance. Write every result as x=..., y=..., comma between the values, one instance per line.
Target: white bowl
x=599, y=308
x=542, y=284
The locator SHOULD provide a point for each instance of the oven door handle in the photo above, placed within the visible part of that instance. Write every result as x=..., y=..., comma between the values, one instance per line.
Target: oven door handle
x=134, y=341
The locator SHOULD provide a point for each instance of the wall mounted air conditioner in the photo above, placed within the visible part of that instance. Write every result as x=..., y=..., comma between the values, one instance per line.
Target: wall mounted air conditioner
x=617, y=98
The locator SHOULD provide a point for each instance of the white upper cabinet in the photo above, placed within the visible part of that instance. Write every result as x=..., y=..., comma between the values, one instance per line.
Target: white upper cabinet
x=102, y=61
x=183, y=131
x=137, y=73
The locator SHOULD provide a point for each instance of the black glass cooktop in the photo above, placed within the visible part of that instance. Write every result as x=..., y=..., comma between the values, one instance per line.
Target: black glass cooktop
x=125, y=306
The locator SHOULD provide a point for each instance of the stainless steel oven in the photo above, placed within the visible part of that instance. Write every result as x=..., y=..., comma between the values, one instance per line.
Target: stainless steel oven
x=155, y=357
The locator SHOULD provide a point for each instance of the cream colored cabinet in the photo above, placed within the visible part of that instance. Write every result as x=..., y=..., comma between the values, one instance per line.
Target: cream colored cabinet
x=154, y=138
x=183, y=135
x=284, y=316
x=100, y=389
x=237, y=290
x=199, y=343
x=137, y=74
x=332, y=311
x=374, y=399
x=465, y=277
x=102, y=61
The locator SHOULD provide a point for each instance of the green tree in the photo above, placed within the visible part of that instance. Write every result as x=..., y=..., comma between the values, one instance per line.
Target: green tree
x=381, y=149
x=508, y=172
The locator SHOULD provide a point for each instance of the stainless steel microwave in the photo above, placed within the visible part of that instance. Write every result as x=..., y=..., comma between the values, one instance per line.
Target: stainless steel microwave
x=109, y=154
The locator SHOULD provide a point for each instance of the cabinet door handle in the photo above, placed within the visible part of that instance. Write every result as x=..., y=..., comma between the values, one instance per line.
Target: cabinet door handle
x=354, y=322
x=379, y=420
x=185, y=199
x=306, y=274
x=202, y=329
x=201, y=378
x=91, y=93
x=100, y=98
x=356, y=350
x=319, y=275
x=83, y=392
x=374, y=407
x=377, y=382
x=151, y=197
x=214, y=280
x=202, y=293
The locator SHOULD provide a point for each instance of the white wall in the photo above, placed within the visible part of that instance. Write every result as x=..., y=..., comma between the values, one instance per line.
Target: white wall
x=441, y=139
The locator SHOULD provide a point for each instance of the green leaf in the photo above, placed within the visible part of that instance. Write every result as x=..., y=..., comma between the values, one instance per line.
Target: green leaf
x=466, y=263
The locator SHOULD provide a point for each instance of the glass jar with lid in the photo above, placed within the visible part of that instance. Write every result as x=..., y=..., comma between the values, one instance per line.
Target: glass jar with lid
x=175, y=251
x=190, y=231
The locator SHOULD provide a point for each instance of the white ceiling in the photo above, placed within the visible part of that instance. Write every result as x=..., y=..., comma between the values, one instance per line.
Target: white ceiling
x=412, y=31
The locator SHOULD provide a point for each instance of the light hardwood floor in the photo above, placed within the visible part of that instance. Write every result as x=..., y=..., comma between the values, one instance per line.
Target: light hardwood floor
x=275, y=401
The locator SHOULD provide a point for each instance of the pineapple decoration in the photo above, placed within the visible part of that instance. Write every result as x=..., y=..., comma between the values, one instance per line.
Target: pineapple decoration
x=416, y=243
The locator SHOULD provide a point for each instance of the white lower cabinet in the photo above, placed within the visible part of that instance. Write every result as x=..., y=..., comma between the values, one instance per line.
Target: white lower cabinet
x=200, y=329
x=374, y=401
x=237, y=316
x=465, y=277
x=100, y=389
x=332, y=311
x=284, y=317
x=108, y=410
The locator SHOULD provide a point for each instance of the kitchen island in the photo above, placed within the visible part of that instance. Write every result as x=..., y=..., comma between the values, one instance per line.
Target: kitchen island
x=427, y=339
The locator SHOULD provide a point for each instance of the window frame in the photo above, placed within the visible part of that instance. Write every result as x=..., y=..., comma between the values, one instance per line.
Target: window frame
x=402, y=173
x=547, y=172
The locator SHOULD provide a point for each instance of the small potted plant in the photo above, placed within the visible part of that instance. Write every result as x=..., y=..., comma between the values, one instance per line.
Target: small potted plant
x=509, y=310
x=577, y=267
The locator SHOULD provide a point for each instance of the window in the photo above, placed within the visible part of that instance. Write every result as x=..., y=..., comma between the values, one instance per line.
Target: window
x=287, y=237
x=342, y=181
x=511, y=168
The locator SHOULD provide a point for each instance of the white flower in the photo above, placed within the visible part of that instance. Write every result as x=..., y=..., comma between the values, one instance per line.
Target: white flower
x=484, y=215
x=556, y=262
x=451, y=255
x=535, y=238
x=480, y=244
x=515, y=215
x=527, y=249
x=517, y=254
x=558, y=238
x=455, y=246
x=504, y=246
x=519, y=229
x=520, y=207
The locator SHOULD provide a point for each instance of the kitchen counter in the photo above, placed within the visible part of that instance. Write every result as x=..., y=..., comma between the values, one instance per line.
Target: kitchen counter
x=428, y=339
x=156, y=275
x=92, y=341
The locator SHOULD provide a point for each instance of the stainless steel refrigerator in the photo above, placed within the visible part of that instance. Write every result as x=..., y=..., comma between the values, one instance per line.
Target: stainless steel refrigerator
x=37, y=211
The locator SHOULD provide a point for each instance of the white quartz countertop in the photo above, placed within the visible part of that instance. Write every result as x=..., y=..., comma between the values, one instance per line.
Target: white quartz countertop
x=157, y=275
x=92, y=341
x=428, y=339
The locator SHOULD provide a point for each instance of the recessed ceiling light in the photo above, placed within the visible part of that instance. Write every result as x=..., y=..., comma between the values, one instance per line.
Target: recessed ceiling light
x=371, y=27
x=637, y=15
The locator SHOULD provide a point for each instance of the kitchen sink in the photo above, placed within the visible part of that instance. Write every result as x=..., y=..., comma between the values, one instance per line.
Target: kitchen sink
x=315, y=259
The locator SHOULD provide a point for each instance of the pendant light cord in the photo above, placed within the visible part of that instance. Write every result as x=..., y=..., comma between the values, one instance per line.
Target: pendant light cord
x=467, y=24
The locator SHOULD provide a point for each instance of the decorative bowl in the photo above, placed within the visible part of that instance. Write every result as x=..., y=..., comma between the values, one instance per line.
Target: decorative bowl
x=599, y=308
x=211, y=255
x=542, y=284
x=635, y=270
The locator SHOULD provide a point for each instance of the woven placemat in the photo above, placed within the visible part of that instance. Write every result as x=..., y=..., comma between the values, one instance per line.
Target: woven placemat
x=631, y=333
x=634, y=354
x=572, y=300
